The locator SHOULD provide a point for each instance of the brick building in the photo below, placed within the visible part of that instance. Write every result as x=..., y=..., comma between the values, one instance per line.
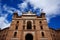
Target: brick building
x=55, y=34
x=29, y=26
x=3, y=33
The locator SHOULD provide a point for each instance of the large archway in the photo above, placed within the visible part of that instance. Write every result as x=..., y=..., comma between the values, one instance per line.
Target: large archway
x=29, y=37
x=29, y=25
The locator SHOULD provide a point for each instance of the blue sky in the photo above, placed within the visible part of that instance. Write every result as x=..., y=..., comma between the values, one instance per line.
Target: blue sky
x=50, y=7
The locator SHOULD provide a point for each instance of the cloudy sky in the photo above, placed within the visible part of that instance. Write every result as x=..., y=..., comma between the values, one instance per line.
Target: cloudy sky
x=50, y=7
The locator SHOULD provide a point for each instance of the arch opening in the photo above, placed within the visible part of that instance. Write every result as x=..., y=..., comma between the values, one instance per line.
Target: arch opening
x=29, y=37
x=29, y=25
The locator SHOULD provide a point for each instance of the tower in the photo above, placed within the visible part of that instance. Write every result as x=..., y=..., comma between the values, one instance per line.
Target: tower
x=29, y=26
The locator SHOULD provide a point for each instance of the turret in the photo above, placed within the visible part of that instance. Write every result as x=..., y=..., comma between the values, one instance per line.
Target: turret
x=15, y=14
x=42, y=13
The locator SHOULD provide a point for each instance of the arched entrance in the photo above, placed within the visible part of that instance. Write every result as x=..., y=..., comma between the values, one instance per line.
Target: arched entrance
x=29, y=37
x=29, y=25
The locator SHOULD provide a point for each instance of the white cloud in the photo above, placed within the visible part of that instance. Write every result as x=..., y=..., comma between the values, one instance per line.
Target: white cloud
x=47, y=5
x=11, y=10
x=19, y=12
x=22, y=6
x=8, y=9
x=50, y=7
x=3, y=22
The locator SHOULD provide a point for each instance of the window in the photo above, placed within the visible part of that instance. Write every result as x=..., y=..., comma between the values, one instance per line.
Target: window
x=29, y=25
x=42, y=34
x=23, y=27
x=40, y=22
x=15, y=34
x=41, y=27
x=16, y=27
x=17, y=21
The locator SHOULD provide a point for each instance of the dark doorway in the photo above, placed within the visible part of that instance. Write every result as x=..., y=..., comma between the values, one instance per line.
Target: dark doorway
x=29, y=37
x=29, y=25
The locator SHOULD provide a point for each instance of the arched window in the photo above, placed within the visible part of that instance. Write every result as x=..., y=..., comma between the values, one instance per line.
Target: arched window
x=17, y=21
x=15, y=34
x=42, y=34
x=16, y=28
x=29, y=25
x=40, y=22
x=23, y=27
x=41, y=27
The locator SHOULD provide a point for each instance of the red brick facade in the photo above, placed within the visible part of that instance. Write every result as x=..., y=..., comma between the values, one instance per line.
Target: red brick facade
x=29, y=26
